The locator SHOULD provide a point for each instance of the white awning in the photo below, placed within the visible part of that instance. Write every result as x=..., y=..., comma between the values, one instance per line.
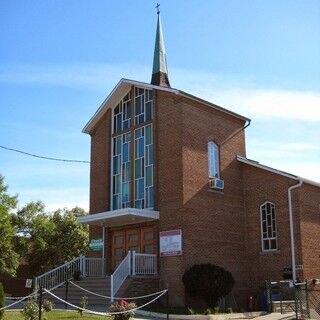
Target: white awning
x=120, y=217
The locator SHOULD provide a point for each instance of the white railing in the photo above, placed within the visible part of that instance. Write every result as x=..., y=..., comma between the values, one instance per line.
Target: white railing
x=86, y=266
x=133, y=264
x=143, y=263
x=57, y=276
x=120, y=275
x=94, y=267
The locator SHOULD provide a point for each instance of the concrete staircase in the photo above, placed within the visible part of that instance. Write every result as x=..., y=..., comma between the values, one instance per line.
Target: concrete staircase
x=100, y=285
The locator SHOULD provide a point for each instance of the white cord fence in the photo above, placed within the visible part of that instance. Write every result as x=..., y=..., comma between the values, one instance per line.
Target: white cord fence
x=115, y=298
x=158, y=295
x=106, y=313
x=22, y=299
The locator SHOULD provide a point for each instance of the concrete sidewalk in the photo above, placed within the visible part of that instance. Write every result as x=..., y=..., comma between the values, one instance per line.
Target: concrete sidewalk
x=270, y=316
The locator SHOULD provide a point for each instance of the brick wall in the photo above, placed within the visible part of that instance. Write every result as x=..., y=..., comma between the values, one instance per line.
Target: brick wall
x=260, y=186
x=168, y=123
x=100, y=173
x=209, y=219
x=310, y=230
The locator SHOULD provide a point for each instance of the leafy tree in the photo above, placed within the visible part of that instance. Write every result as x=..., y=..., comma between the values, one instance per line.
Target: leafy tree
x=54, y=238
x=208, y=282
x=9, y=259
x=45, y=239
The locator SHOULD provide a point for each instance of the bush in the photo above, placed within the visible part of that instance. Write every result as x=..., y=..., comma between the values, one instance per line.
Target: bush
x=30, y=310
x=121, y=307
x=83, y=304
x=2, y=300
x=208, y=282
x=47, y=305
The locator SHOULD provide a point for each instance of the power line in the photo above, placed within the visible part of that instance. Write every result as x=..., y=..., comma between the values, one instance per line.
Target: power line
x=43, y=157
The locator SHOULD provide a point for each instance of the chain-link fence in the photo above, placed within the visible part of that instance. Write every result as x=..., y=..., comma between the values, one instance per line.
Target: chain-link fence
x=303, y=298
x=313, y=293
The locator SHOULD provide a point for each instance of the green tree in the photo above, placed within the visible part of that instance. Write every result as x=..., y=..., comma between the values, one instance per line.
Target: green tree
x=53, y=239
x=9, y=259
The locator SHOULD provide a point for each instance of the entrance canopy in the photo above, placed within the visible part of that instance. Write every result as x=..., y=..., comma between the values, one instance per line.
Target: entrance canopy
x=120, y=217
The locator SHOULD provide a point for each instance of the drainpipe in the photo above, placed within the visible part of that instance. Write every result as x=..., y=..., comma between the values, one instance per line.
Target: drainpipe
x=293, y=254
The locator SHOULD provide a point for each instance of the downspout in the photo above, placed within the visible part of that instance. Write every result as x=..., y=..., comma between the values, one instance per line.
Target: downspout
x=293, y=254
x=241, y=129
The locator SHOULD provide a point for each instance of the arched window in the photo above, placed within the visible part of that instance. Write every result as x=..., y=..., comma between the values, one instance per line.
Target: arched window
x=213, y=160
x=268, y=226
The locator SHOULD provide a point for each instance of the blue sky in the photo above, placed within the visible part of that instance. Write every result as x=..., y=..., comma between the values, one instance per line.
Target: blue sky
x=59, y=60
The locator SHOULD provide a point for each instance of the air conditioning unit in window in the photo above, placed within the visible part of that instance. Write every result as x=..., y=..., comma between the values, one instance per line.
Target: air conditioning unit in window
x=215, y=183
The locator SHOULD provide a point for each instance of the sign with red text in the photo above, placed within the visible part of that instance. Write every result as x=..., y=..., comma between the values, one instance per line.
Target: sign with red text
x=171, y=243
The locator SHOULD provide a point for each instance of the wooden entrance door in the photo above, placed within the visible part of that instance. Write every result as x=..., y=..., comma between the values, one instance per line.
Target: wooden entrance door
x=147, y=240
x=140, y=240
x=132, y=240
x=118, y=247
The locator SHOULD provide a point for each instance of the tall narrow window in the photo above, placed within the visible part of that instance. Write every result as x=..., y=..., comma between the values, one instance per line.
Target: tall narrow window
x=132, y=151
x=213, y=160
x=268, y=227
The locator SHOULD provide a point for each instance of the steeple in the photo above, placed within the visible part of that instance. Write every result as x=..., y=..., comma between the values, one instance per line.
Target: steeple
x=159, y=71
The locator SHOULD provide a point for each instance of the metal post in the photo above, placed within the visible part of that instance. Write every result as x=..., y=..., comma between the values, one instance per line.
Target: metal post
x=103, y=252
x=66, y=295
x=296, y=305
x=167, y=303
x=81, y=265
x=111, y=287
x=133, y=262
x=307, y=299
x=40, y=303
x=84, y=266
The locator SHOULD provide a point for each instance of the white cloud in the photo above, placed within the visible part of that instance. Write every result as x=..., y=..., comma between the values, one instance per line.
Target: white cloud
x=256, y=103
x=92, y=76
x=55, y=198
x=236, y=93
x=298, y=147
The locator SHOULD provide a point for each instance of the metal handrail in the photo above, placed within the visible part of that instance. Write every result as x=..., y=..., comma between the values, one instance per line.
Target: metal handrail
x=55, y=277
x=119, y=275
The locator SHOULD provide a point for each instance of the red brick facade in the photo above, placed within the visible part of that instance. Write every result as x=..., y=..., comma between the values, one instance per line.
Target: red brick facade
x=219, y=227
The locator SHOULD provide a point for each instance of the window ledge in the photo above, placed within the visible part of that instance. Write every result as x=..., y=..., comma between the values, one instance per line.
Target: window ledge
x=215, y=191
x=269, y=253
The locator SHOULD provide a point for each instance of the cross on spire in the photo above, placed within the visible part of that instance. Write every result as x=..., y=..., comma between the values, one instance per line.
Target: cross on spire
x=159, y=70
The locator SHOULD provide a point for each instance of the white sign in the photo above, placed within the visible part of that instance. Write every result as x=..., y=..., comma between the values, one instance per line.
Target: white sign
x=28, y=283
x=170, y=243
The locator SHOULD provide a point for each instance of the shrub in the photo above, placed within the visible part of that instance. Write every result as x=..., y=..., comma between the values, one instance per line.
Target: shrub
x=2, y=300
x=83, y=304
x=121, y=307
x=77, y=275
x=208, y=282
x=47, y=305
x=30, y=310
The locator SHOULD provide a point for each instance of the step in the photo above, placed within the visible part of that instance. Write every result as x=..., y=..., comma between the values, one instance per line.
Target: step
x=97, y=285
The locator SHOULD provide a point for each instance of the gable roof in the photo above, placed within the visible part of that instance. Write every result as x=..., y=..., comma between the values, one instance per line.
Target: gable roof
x=124, y=86
x=276, y=171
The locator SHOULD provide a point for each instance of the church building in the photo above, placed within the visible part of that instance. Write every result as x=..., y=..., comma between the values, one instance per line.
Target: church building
x=171, y=186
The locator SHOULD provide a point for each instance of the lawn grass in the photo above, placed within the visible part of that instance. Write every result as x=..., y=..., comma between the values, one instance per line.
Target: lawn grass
x=55, y=315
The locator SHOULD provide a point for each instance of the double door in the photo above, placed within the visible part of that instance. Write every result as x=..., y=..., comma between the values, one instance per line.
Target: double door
x=138, y=239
